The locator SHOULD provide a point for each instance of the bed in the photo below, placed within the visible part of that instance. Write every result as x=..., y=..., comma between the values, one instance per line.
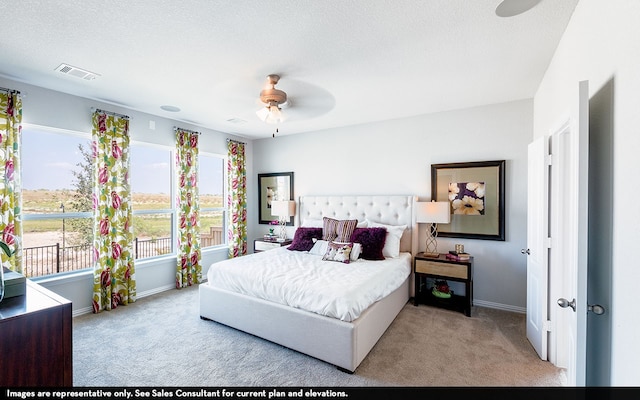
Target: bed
x=337, y=337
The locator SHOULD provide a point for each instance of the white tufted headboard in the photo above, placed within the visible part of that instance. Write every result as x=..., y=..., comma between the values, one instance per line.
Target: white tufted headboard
x=390, y=210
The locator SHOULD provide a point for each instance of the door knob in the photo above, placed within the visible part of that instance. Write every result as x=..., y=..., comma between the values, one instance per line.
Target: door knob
x=525, y=251
x=596, y=309
x=564, y=303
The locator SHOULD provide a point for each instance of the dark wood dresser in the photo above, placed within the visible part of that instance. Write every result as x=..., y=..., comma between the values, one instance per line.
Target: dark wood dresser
x=36, y=339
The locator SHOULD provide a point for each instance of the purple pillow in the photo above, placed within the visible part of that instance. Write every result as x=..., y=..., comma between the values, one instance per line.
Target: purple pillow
x=372, y=241
x=303, y=238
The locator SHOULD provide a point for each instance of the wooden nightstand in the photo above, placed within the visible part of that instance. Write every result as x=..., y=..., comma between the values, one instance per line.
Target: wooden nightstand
x=36, y=326
x=264, y=244
x=443, y=268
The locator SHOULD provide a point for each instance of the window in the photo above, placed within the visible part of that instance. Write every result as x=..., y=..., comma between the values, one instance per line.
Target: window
x=57, y=190
x=212, y=200
x=56, y=201
x=152, y=200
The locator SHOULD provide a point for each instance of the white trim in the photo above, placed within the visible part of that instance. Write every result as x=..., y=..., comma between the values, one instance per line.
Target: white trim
x=147, y=293
x=499, y=306
x=64, y=277
x=51, y=129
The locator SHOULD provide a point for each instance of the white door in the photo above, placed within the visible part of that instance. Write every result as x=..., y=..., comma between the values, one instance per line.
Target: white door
x=537, y=244
x=569, y=235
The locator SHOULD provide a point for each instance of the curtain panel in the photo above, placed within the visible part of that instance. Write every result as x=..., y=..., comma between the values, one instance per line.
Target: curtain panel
x=11, y=190
x=114, y=273
x=237, y=199
x=189, y=268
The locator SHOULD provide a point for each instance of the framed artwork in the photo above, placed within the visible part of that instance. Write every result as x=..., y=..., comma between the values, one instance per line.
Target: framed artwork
x=273, y=186
x=475, y=192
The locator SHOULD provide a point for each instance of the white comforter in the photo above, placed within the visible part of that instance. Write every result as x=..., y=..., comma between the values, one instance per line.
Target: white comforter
x=303, y=280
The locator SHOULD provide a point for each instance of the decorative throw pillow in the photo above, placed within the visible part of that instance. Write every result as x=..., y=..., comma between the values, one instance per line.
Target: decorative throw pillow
x=329, y=228
x=372, y=241
x=345, y=229
x=356, y=250
x=392, y=243
x=338, y=230
x=340, y=252
x=303, y=238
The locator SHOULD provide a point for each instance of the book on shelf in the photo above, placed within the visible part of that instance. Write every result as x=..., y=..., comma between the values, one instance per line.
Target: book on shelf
x=269, y=237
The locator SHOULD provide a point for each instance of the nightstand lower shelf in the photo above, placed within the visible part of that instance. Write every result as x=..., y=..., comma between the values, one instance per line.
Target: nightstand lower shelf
x=454, y=303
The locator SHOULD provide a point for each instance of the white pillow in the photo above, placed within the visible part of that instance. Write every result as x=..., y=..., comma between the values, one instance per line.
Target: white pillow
x=317, y=223
x=312, y=223
x=320, y=249
x=392, y=243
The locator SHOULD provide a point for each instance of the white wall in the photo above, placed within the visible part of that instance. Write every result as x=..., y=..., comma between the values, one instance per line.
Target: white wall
x=386, y=157
x=59, y=110
x=395, y=157
x=601, y=45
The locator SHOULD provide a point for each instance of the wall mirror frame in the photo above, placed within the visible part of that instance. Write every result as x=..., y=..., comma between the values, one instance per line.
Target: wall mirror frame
x=273, y=186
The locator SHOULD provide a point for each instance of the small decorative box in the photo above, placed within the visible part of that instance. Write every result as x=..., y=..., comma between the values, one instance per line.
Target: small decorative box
x=14, y=284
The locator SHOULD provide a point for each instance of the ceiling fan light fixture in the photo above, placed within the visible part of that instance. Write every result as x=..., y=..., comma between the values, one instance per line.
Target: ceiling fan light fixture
x=271, y=114
x=273, y=98
x=275, y=115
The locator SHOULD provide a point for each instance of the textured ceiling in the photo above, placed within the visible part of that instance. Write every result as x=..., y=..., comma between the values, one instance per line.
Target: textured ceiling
x=341, y=62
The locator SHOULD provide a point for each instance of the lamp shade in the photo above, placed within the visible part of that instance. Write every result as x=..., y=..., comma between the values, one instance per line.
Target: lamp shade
x=283, y=208
x=435, y=212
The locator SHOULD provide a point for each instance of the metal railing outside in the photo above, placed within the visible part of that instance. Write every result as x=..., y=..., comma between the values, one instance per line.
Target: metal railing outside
x=54, y=259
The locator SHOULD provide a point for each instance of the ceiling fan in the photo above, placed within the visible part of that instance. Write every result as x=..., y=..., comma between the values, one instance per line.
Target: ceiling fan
x=274, y=100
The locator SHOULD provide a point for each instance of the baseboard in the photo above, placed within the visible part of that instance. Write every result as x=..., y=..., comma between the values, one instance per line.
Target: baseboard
x=88, y=310
x=156, y=291
x=81, y=311
x=478, y=303
x=499, y=306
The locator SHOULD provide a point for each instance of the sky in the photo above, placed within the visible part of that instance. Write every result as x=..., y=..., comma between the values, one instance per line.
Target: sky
x=48, y=159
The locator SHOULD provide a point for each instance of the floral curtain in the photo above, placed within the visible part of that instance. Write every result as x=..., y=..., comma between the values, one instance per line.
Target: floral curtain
x=237, y=199
x=189, y=269
x=114, y=274
x=10, y=190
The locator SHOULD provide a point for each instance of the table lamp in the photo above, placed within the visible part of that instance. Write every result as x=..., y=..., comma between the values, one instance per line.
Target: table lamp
x=283, y=209
x=433, y=213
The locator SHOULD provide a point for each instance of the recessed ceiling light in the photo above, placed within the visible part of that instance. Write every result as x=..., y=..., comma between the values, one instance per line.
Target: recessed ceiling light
x=170, y=108
x=510, y=8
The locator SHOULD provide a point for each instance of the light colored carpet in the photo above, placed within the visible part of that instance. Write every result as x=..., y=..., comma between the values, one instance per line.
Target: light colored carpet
x=161, y=341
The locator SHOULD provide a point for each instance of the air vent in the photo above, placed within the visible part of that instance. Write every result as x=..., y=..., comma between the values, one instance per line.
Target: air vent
x=236, y=121
x=77, y=72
